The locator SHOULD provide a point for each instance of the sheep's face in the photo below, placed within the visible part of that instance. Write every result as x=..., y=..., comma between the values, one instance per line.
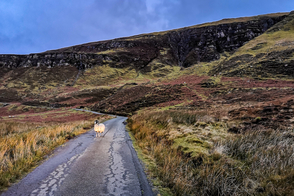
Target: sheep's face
x=96, y=122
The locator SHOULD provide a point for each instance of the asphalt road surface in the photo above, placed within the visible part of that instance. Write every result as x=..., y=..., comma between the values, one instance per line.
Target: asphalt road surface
x=89, y=166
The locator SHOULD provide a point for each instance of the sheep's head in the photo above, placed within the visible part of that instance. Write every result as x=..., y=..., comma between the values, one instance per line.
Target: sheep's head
x=96, y=122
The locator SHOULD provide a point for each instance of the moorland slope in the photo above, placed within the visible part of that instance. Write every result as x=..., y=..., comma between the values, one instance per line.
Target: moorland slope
x=216, y=99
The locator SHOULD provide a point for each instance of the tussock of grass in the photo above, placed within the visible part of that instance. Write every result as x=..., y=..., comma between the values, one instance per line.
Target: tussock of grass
x=23, y=145
x=266, y=161
x=253, y=163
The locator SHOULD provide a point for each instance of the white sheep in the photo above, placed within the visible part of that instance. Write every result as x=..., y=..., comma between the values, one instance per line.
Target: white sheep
x=98, y=128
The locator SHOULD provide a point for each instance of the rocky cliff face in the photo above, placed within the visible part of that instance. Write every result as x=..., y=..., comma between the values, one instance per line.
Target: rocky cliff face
x=270, y=55
x=182, y=47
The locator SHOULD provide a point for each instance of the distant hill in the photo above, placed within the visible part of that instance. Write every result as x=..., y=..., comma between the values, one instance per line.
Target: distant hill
x=181, y=47
x=126, y=74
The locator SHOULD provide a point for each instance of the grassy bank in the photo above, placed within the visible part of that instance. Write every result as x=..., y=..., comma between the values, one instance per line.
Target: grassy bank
x=188, y=153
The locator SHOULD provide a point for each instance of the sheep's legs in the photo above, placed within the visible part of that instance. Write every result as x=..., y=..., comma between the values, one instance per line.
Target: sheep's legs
x=98, y=134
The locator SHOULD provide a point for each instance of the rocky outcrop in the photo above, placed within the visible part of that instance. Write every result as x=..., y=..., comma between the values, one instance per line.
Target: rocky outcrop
x=184, y=47
x=269, y=56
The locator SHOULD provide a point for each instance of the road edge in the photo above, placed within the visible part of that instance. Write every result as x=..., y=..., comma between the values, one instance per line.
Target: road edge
x=145, y=184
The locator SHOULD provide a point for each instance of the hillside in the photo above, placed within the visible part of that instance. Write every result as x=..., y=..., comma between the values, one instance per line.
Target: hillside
x=232, y=61
x=142, y=58
x=213, y=101
x=270, y=55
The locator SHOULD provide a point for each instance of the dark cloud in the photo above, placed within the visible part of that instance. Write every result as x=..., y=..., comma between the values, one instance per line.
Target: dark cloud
x=37, y=26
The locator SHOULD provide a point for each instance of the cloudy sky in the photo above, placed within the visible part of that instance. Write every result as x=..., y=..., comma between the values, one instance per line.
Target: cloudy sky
x=30, y=26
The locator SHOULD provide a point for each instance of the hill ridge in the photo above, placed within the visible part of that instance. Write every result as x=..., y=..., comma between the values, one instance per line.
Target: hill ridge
x=183, y=47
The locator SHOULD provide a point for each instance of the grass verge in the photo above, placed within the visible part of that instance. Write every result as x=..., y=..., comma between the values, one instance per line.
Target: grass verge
x=148, y=166
x=252, y=163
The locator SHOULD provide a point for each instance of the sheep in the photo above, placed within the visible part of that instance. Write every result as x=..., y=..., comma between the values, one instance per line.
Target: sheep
x=98, y=128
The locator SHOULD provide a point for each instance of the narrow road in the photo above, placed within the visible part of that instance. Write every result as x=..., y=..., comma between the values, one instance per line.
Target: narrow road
x=89, y=166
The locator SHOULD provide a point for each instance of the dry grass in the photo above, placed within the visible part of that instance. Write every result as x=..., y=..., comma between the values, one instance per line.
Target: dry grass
x=164, y=160
x=24, y=145
x=253, y=163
